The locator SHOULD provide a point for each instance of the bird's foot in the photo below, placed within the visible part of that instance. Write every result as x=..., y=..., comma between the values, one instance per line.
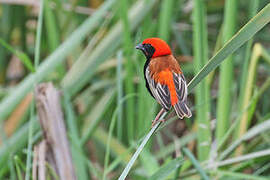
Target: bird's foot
x=154, y=122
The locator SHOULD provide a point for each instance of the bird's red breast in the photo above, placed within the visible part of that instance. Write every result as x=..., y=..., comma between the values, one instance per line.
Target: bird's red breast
x=162, y=69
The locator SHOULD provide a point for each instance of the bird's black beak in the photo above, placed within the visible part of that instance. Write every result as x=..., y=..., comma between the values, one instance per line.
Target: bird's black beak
x=140, y=47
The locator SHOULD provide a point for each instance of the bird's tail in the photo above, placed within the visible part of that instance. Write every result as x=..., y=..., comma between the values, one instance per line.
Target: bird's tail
x=182, y=110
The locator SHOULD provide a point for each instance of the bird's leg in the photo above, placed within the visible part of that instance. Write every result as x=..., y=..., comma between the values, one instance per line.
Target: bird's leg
x=156, y=120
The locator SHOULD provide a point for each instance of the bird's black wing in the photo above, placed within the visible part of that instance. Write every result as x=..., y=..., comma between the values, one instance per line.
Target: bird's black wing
x=160, y=92
x=180, y=107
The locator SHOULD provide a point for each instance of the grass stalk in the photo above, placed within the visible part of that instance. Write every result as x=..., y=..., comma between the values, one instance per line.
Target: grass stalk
x=129, y=67
x=94, y=117
x=6, y=23
x=258, y=129
x=77, y=155
x=242, y=36
x=52, y=33
x=253, y=100
x=138, y=151
x=116, y=147
x=244, y=122
x=18, y=169
x=165, y=19
x=246, y=157
x=81, y=72
x=253, y=7
x=107, y=153
x=49, y=64
x=240, y=175
x=96, y=71
x=202, y=91
x=119, y=96
x=22, y=56
x=146, y=103
x=32, y=116
x=16, y=142
x=167, y=169
x=226, y=72
x=195, y=163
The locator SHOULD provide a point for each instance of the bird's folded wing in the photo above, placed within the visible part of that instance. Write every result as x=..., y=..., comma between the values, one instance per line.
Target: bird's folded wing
x=180, y=87
x=160, y=92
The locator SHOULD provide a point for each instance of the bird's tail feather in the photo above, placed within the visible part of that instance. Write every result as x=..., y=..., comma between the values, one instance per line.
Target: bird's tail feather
x=182, y=110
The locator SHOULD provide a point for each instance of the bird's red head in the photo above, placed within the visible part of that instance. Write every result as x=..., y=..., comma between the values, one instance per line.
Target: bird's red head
x=154, y=47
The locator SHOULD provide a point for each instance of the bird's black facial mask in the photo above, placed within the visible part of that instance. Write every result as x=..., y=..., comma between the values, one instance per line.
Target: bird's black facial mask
x=147, y=49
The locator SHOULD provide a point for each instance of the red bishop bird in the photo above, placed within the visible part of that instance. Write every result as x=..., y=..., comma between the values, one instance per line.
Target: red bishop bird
x=164, y=78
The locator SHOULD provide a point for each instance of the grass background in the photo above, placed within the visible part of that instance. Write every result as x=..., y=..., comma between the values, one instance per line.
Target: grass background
x=86, y=48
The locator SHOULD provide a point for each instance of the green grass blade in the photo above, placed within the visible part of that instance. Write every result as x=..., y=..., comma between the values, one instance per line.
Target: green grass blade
x=146, y=110
x=195, y=163
x=94, y=117
x=138, y=151
x=170, y=148
x=6, y=22
x=23, y=57
x=38, y=35
x=242, y=36
x=167, y=169
x=117, y=148
x=81, y=72
x=165, y=19
x=226, y=73
x=244, y=158
x=111, y=128
x=240, y=175
x=32, y=118
x=11, y=167
x=244, y=122
x=78, y=159
x=48, y=65
x=52, y=32
x=245, y=33
x=119, y=96
x=107, y=153
x=253, y=8
x=202, y=91
x=253, y=100
x=51, y=27
x=149, y=162
x=129, y=67
x=258, y=129
x=18, y=169
x=16, y=142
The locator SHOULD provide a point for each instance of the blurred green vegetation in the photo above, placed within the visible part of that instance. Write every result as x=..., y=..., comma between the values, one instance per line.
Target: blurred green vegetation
x=86, y=48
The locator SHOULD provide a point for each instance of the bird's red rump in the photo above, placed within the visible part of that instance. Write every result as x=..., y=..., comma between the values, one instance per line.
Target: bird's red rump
x=166, y=77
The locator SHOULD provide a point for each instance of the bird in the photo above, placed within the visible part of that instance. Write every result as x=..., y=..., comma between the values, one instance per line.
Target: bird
x=164, y=78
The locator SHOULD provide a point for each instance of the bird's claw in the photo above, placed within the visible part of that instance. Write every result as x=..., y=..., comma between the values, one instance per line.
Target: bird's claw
x=154, y=122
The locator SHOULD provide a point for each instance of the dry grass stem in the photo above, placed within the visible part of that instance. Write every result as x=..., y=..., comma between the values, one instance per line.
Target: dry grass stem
x=52, y=122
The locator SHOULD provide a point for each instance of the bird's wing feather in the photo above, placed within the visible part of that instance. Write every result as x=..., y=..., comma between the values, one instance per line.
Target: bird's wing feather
x=160, y=92
x=180, y=87
x=181, y=107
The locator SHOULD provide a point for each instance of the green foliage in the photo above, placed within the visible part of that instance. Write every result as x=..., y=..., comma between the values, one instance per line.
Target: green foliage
x=167, y=169
x=226, y=71
x=87, y=51
x=22, y=56
x=200, y=46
